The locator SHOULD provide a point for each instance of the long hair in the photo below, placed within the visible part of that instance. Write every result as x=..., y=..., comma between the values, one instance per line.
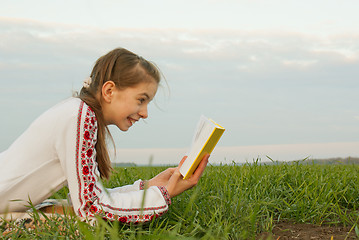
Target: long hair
x=125, y=69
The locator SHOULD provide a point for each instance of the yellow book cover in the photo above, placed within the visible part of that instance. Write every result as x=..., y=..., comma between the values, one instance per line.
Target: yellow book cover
x=206, y=137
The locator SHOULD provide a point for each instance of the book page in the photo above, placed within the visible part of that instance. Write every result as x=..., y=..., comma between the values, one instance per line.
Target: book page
x=203, y=132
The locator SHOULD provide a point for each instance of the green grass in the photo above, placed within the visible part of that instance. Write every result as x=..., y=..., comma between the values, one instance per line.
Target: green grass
x=230, y=202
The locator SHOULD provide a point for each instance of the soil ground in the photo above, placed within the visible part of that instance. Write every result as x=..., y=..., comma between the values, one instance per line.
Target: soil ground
x=287, y=230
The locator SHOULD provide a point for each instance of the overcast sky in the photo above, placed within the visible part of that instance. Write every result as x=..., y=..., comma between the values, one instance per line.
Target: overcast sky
x=271, y=72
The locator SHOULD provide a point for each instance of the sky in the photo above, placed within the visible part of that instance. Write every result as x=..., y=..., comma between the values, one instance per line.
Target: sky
x=280, y=75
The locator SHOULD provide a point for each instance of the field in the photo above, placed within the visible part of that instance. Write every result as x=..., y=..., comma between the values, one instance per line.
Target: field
x=251, y=201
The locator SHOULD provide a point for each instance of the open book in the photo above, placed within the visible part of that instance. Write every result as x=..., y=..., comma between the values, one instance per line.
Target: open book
x=207, y=135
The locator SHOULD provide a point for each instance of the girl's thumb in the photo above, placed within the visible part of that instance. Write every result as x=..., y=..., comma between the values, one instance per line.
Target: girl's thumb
x=172, y=183
x=175, y=176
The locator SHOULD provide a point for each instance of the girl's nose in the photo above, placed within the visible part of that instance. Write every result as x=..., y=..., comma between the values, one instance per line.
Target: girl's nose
x=143, y=112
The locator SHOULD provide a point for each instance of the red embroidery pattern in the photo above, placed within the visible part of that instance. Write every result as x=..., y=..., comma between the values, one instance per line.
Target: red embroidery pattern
x=87, y=176
x=165, y=194
x=86, y=164
x=142, y=185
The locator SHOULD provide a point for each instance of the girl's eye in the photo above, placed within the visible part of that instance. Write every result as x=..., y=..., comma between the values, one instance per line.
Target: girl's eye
x=142, y=100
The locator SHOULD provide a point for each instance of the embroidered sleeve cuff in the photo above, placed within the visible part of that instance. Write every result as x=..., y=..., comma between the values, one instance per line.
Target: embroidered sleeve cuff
x=142, y=185
x=137, y=185
x=165, y=194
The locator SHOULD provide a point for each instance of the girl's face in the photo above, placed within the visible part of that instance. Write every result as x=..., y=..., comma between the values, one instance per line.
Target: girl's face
x=126, y=106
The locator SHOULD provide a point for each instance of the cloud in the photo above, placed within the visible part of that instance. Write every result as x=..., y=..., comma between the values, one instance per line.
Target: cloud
x=259, y=50
x=300, y=63
x=234, y=56
x=266, y=87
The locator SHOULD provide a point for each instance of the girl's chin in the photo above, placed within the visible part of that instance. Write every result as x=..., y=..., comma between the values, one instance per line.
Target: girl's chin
x=123, y=128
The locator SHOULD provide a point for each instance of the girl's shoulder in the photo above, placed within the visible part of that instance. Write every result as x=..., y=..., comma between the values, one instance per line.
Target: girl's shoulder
x=68, y=107
x=73, y=107
x=66, y=110
x=59, y=117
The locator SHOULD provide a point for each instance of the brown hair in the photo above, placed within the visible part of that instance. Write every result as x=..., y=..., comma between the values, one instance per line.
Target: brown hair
x=125, y=69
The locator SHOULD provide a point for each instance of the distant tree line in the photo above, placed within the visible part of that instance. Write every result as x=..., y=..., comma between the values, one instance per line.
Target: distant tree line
x=348, y=160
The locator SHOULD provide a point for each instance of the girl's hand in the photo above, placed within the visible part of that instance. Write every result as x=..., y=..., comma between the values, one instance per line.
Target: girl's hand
x=176, y=185
x=161, y=179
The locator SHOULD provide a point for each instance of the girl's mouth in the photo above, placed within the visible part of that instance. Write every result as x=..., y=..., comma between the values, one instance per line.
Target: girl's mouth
x=131, y=121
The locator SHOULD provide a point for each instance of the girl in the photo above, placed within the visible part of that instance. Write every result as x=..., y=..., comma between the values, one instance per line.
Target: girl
x=67, y=144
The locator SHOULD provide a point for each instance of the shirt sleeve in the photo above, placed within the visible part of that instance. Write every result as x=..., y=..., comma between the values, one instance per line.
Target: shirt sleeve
x=127, y=204
x=138, y=185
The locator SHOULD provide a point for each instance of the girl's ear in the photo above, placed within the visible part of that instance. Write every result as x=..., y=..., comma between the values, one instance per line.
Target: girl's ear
x=107, y=91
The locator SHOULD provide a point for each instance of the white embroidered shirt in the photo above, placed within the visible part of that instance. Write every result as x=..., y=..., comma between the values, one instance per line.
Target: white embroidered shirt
x=59, y=148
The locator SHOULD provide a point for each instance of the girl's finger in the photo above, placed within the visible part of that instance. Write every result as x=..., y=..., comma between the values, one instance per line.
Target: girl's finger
x=182, y=161
x=198, y=173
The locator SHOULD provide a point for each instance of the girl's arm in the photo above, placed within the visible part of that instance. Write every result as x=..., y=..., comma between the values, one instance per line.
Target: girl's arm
x=138, y=185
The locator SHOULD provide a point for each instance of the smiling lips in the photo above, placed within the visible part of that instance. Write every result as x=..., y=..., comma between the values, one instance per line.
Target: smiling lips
x=132, y=121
